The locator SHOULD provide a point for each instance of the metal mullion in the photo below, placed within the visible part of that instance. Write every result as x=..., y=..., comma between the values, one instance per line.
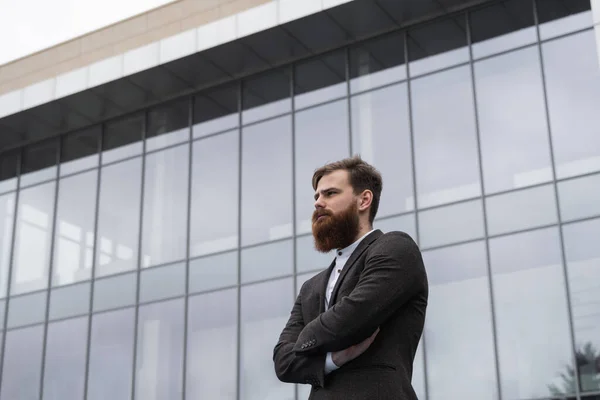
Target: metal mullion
x=411, y=128
x=188, y=247
x=10, y=264
x=484, y=210
x=239, y=244
x=139, y=260
x=349, y=100
x=50, y=267
x=557, y=199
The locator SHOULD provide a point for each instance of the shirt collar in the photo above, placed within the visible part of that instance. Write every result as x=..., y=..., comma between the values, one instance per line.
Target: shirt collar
x=345, y=252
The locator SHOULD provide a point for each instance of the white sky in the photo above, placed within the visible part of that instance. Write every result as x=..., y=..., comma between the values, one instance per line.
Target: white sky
x=28, y=26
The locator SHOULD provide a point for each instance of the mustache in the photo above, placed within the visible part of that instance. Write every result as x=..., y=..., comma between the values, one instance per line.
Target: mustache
x=320, y=213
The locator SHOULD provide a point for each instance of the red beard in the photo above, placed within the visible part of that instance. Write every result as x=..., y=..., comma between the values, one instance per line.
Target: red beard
x=335, y=231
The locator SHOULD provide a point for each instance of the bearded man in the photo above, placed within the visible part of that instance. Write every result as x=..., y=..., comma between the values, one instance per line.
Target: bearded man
x=354, y=328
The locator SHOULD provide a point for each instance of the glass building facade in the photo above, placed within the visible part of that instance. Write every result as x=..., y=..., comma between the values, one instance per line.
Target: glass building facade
x=157, y=255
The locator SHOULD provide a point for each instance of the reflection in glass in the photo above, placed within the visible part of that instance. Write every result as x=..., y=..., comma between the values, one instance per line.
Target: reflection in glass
x=33, y=231
x=7, y=212
x=531, y=312
x=216, y=110
x=377, y=62
x=39, y=162
x=513, y=129
x=308, y=258
x=558, y=17
x=445, y=146
x=267, y=181
x=321, y=137
x=266, y=95
x=164, y=235
x=267, y=261
x=583, y=259
x=212, y=335
x=8, y=171
x=111, y=355
x=64, y=371
x=162, y=282
x=118, y=217
x=213, y=272
x=320, y=79
x=457, y=276
x=114, y=292
x=22, y=364
x=502, y=26
x=452, y=224
x=265, y=310
x=403, y=223
x=168, y=125
x=572, y=71
x=123, y=138
x=159, y=365
x=26, y=310
x=579, y=198
x=381, y=135
x=70, y=301
x=80, y=151
x=215, y=188
x=74, y=233
x=437, y=45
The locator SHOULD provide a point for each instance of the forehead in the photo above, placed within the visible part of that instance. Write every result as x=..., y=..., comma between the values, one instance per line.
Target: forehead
x=336, y=179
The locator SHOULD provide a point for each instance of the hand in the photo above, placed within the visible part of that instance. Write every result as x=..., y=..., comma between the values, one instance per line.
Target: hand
x=342, y=357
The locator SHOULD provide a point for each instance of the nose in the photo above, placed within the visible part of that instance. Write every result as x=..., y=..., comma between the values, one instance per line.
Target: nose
x=319, y=203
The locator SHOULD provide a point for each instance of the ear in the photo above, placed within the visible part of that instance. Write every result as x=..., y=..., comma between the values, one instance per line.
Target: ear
x=365, y=200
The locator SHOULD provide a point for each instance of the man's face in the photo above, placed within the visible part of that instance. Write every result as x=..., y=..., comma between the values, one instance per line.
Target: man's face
x=335, y=222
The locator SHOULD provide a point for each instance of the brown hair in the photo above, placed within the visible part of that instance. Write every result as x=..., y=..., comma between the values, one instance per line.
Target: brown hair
x=363, y=176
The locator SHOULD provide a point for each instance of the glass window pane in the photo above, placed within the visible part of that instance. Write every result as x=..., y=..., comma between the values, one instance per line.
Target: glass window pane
x=213, y=272
x=377, y=62
x=265, y=311
x=404, y=223
x=2, y=314
x=22, y=364
x=572, y=73
x=118, y=217
x=26, y=310
x=8, y=171
x=437, y=45
x=529, y=296
x=212, y=335
x=558, y=17
x=162, y=282
x=267, y=181
x=70, y=301
x=164, y=236
x=445, y=146
x=114, y=292
x=502, y=26
x=320, y=79
x=458, y=275
x=111, y=355
x=321, y=136
x=123, y=138
x=267, y=261
x=216, y=110
x=579, y=198
x=266, y=95
x=461, y=222
x=7, y=212
x=33, y=231
x=64, y=372
x=521, y=210
x=308, y=258
x=74, y=233
x=583, y=259
x=512, y=124
x=80, y=151
x=381, y=135
x=168, y=125
x=215, y=189
x=39, y=162
x=159, y=365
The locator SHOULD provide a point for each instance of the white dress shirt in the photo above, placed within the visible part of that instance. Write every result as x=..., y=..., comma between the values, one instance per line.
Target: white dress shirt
x=342, y=256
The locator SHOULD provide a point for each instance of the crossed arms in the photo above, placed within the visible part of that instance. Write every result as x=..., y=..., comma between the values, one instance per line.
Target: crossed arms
x=392, y=275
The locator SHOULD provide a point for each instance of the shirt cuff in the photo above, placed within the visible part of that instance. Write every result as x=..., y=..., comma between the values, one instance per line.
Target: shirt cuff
x=329, y=364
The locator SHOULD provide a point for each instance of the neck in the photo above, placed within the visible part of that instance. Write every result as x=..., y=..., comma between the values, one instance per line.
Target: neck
x=364, y=228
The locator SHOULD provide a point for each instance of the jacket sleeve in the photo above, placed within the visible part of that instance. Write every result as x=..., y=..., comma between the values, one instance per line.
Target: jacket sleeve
x=292, y=367
x=393, y=274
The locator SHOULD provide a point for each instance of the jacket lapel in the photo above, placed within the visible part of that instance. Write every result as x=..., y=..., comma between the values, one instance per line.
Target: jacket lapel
x=366, y=242
x=323, y=287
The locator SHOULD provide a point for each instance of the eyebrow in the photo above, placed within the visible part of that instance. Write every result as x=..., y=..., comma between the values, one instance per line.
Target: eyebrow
x=326, y=190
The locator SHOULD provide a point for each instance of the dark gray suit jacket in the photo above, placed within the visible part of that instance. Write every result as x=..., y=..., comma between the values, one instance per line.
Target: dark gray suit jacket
x=383, y=284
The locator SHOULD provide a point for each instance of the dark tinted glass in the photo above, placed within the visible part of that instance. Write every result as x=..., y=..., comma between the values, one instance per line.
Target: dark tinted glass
x=557, y=17
x=266, y=95
x=122, y=138
x=320, y=79
x=216, y=110
x=8, y=170
x=39, y=158
x=168, y=125
x=80, y=150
